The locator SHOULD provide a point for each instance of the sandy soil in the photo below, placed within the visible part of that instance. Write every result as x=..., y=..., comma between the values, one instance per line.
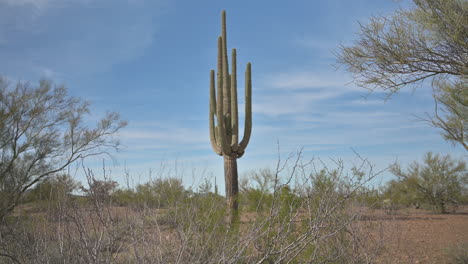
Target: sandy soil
x=409, y=236
x=418, y=236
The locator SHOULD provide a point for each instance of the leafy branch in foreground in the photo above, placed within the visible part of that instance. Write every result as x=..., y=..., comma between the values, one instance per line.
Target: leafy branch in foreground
x=451, y=112
x=410, y=48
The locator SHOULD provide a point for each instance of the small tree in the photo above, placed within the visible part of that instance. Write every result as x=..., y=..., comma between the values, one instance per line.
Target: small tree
x=411, y=47
x=161, y=193
x=403, y=192
x=205, y=187
x=99, y=190
x=53, y=188
x=439, y=181
x=169, y=191
x=42, y=131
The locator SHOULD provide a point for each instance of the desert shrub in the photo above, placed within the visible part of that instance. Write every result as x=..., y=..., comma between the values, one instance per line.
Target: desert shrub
x=124, y=197
x=256, y=188
x=458, y=254
x=402, y=194
x=87, y=229
x=370, y=197
x=52, y=194
x=254, y=200
x=288, y=200
x=314, y=222
x=323, y=184
x=101, y=189
x=439, y=182
x=146, y=195
x=206, y=186
x=161, y=193
x=52, y=188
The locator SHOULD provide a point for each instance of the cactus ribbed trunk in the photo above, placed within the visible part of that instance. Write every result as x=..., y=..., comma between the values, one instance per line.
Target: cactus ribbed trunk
x=231, y=179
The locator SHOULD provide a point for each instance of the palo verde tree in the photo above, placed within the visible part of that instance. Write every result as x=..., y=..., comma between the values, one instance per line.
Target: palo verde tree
x=427, y=44
x=223, y=118
x=42, y=131
x=439, y=182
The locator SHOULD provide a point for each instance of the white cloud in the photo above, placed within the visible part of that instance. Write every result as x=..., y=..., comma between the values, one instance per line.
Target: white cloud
x=307, y=80
x=73, y=37
x=37, y=3
x=364, y=101
x=44, y=4
x=294, y=102
x=172, y=138
x=178, y=135
x=299, y=92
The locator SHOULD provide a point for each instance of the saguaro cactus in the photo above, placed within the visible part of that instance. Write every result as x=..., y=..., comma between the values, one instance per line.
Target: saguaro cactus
x=223, y=118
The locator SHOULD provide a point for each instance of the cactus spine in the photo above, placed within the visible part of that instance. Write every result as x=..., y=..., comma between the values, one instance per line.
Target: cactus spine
x=223, y=118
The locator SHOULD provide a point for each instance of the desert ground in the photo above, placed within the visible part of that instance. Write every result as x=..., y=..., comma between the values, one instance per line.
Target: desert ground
x=419, y=236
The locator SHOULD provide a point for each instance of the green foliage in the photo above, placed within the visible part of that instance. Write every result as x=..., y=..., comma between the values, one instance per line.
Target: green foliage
x=124, y=197
x=307, y=223
x=53, y=188
x=257, y=190
x=458, y=254
x=205, y=187
x=439, y=182
x=146, y=195
x=409, y=46
x=165, y=192
x=160, y=193
x=425, y=44
x=99, y=191
x=451, y=111
x=324, y=184
x=403, y=193
x=42, y=131
x=254, y=200
x=289, y=202
x=370, y=197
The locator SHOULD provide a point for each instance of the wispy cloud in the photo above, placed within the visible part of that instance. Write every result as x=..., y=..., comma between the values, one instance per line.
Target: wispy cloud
x=170, y=137
x=73, y=38
x=299, y=92
x=176, y=135
x=309, y=80
x=283, y=103
x=35, y=3
x=367, y=102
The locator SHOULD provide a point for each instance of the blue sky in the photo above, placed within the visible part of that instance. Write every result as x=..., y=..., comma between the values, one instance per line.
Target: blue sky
x=149, y=60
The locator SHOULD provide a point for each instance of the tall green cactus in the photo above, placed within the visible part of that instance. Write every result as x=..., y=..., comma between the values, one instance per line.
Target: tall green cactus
x=223, y=118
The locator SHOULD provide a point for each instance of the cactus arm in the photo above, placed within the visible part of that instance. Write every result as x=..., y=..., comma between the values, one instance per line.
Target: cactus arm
x=248, y=110
x=224, y=112
x=214, y=144
x=212, y=92
x=226, y=78
x=234, y=111
x=221, y=135
x=224, y=36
